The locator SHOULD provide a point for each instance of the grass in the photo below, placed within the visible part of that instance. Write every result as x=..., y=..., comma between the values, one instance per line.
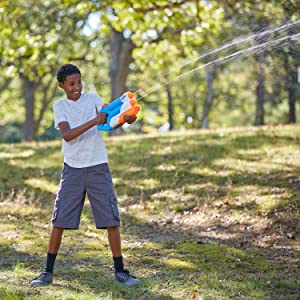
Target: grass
x=205, y=215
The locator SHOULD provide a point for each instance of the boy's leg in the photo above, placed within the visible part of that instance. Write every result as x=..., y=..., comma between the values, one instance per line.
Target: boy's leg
x=53, y=247
x=46, y=277
x=114, y=239
x=55, y=239
x=121, y=276
x=100, y=190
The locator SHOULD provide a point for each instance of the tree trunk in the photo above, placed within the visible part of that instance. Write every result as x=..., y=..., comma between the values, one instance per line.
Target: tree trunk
x=29, y=87
x=210, y=76
x=121, y=57
x=5, y=85
x=260, y=97
x=291, y=62
x=260, y=87
x=170, y=108
x=292, y=95
x=291, y=81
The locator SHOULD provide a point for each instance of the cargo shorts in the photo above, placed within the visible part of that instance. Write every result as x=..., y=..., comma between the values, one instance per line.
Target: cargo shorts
x=75, y=184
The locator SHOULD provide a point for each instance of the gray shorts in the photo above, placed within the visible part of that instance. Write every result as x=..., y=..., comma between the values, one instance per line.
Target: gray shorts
x=75, y=183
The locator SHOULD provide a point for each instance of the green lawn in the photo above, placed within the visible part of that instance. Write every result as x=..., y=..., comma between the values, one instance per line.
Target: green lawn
x=205, y=215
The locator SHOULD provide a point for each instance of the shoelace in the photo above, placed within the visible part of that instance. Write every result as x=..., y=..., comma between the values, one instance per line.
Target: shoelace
x=127, y=275
x=42, y=276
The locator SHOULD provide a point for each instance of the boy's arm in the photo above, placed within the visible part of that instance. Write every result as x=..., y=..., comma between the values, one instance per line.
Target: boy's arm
x=68, y=134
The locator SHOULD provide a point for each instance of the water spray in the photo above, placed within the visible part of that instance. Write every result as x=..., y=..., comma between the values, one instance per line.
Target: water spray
x=240, y=53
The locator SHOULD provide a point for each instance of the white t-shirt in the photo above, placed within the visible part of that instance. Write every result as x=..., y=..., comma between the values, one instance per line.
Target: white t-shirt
x=88, y=149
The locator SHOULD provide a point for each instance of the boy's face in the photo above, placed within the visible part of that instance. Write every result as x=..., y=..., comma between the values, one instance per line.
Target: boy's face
x=72, y=86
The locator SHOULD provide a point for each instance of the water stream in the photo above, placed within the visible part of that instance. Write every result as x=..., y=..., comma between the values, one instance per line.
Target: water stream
x=249, y=45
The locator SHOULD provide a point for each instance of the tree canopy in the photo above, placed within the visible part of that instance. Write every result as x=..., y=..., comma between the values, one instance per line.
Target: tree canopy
x=194, y=64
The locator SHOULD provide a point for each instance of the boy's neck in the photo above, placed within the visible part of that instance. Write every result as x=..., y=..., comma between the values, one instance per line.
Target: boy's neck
x=74, y=99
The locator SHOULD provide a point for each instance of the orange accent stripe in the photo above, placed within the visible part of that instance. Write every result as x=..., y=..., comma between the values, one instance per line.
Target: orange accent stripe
x=133, y=111
x=130, y=95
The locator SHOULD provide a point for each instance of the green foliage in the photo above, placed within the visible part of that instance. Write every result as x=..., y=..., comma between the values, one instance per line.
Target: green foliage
x=39, y=36
x=11, y=133
x=169, y=37
x=205, y=214
x=50, y=133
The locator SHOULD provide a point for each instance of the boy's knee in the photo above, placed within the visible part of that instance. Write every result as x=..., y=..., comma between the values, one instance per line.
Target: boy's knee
x=58, y=229
x=113, y=228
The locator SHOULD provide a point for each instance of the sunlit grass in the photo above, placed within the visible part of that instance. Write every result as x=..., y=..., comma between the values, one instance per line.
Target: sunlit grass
x=205, y=215
x=42, y=184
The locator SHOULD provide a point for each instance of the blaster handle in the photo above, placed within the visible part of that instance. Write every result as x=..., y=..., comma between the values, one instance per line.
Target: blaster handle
x=106, y=125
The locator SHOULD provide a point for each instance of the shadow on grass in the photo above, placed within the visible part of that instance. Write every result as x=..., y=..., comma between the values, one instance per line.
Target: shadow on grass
x=10, y=257
x=176, y=258
x=78, y=276
x=225, y=264
x=188, y=153
x=249, y=270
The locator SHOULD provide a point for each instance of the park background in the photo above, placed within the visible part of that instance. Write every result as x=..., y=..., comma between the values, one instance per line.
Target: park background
x=147, y=47
x=207, y=178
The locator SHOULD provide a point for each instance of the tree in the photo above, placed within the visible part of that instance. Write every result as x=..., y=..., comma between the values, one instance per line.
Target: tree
x=260, y=15
x=208, y=103
x=121, y=57
x=185, y=24
x=157, y=45
x=290, y=58
x=37, y=37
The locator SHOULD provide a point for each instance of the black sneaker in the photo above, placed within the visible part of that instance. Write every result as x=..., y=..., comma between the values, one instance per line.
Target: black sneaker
x=44, y=278
x=125, y=278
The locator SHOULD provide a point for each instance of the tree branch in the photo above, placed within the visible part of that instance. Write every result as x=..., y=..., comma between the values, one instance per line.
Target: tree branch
x=5, y=84
x=46, y=101
x=198, y=10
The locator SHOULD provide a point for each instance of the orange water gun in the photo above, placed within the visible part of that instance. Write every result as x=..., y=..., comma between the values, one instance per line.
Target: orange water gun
x=124, y=105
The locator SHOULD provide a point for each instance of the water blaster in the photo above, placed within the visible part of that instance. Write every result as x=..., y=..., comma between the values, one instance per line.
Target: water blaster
x=124, y=105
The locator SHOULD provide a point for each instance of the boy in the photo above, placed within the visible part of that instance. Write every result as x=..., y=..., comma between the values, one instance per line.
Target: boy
x=85, y=171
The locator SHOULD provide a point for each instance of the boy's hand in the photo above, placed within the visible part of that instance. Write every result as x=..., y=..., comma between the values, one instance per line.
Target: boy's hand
x=101, y=118
x=129, y=119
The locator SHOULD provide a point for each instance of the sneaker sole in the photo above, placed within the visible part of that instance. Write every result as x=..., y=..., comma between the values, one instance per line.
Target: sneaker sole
x=126, y=284
x=40, y=284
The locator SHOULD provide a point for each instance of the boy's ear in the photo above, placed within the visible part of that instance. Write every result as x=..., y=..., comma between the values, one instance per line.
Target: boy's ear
x=61, y=85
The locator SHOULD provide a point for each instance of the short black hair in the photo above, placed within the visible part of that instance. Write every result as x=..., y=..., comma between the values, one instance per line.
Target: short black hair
x=66, y=70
